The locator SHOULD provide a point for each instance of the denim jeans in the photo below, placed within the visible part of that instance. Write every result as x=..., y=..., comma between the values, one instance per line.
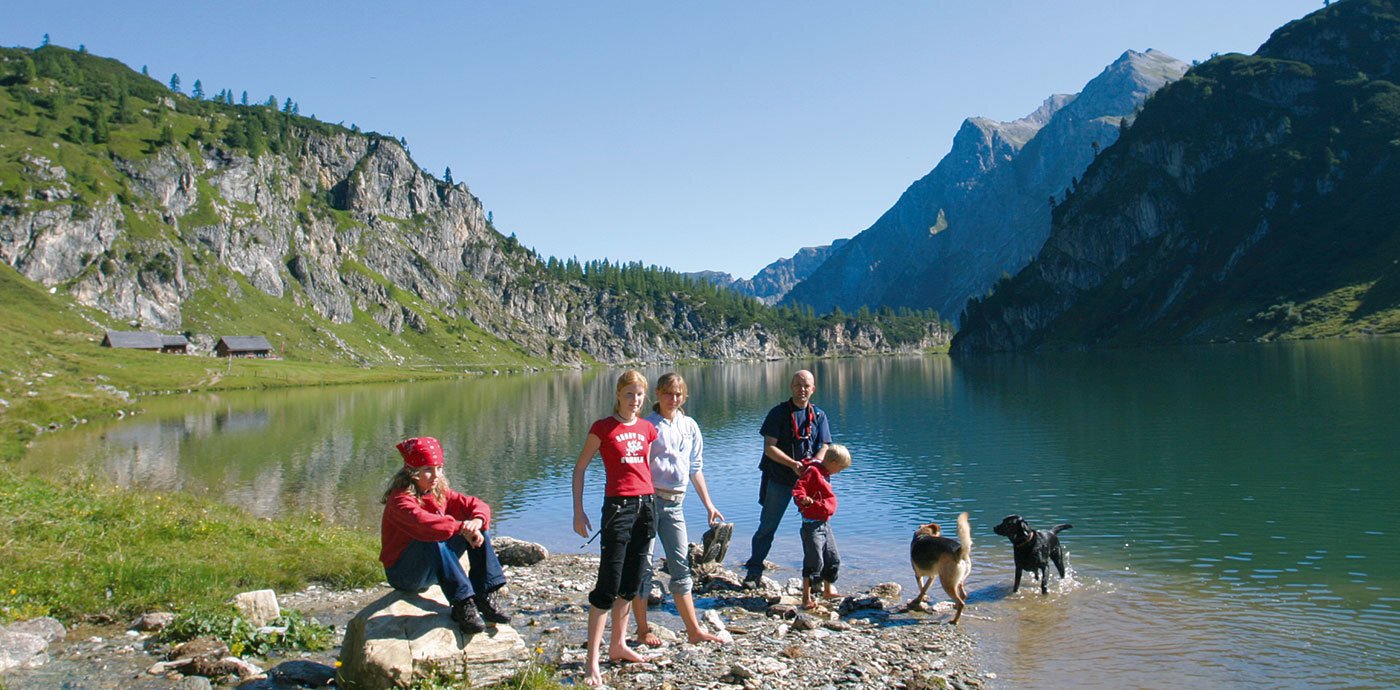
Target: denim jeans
x=820, y=559
x=776, y=499
x=627, y=531
x=675, y=541
x=425, y=563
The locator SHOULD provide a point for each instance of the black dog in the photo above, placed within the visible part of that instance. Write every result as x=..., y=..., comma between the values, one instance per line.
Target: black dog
x=1035, y=549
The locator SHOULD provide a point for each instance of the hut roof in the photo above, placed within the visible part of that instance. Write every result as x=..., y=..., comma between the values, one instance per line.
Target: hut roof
x=174, y=341
x=245, y=343
x=136, y=340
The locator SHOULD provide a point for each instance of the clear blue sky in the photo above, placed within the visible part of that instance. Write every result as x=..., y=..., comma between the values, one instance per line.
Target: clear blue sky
x=703, y=135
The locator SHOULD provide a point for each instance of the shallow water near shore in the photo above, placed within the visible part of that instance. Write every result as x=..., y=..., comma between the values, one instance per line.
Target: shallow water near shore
x=1233, y=506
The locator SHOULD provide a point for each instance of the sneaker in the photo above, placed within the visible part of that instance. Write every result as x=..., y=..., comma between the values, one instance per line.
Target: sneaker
x=464, y=612
x=753, y=581
x=493, y=607
x=716, y=542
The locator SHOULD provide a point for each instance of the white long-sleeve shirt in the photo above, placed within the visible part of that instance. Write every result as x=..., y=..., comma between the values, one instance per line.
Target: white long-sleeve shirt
x=677, y=452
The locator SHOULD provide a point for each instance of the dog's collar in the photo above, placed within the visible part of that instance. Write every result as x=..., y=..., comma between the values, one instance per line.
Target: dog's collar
x=1029, y=538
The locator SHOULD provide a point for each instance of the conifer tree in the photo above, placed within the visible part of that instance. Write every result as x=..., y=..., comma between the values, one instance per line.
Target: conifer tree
x=447, y=175
x=197, y=92
x=245, y=98
x=145, y=71
x=175, y=83
x=45, y=42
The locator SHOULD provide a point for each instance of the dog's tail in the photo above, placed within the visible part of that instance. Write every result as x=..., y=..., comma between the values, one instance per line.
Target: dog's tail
x=964, y=538
x=1060, y=528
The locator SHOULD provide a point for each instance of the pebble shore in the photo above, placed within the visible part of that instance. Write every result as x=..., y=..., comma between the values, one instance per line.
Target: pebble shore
x=862, y=641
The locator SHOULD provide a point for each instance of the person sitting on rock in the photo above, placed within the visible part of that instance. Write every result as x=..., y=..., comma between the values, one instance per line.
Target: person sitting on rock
x=425, y=530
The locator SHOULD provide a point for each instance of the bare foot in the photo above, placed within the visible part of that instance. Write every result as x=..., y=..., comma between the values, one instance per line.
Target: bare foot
x=809, y=604
x=648, y=638
x=701, y=636
x=829, y=592
x=622, y=652
x=592, y=677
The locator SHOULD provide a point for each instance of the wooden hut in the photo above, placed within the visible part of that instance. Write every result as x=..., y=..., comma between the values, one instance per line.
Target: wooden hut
x=243, y=346
x=174, y=344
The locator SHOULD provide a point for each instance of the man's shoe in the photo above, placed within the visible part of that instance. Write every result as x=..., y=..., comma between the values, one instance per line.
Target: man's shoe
x=753, y=581
x=464, y=612
x=493, y=607
x=716, y=542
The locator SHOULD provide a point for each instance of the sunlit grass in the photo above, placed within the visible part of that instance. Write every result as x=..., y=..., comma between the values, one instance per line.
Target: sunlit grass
x=81, y=549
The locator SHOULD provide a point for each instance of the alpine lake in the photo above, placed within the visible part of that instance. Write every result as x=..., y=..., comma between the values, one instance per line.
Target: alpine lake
x=1234, y=506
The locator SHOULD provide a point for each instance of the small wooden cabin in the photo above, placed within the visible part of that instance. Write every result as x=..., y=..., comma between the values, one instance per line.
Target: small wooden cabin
x=174, y=344
x=243, y=346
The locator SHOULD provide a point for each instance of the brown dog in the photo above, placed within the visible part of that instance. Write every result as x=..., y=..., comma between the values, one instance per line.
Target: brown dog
x=932, y=554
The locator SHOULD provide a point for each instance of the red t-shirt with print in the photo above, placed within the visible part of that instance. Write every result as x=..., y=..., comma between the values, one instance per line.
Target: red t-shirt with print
x=626, y=454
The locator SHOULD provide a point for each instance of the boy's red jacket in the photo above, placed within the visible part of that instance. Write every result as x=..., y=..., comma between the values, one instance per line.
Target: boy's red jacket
x=406, y=520
x=815, y=483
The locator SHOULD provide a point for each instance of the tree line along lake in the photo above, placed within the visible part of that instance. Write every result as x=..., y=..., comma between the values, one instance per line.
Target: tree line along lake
x=1233, y=506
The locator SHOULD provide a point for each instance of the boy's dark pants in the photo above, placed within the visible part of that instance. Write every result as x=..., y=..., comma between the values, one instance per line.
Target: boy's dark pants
x=424, y=563
x=820, y=559
x=629, y=524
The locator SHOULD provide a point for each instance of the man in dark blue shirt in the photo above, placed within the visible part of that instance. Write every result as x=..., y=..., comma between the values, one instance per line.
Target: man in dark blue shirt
x=794, y=431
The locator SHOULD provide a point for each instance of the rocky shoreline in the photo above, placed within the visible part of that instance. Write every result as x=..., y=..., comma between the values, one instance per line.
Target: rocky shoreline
x=860, y=641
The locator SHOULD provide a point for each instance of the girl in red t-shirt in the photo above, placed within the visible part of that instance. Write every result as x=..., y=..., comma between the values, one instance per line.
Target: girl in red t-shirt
x=624, y=440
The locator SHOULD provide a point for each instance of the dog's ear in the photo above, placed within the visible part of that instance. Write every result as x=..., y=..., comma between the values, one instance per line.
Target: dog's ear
x=1012, y=519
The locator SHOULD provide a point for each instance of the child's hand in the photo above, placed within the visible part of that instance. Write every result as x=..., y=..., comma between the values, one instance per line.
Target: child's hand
x=805, y=501
x=581, y=524
x=471, y=530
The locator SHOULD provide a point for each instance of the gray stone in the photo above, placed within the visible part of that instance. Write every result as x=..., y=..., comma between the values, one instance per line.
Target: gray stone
x=259, y=606
x=518, y=552
x=153, y=621
x=48, y=628
x=193, y=683
x=22, y=650
x=401, y=637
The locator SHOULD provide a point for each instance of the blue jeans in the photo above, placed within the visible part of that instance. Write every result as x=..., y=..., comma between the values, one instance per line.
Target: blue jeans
x=776, y=499
x=675, y=541
x=425, y=563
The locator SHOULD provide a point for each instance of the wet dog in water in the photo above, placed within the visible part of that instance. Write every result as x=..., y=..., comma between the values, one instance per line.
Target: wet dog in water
x=1033, y=549
x=950, y=560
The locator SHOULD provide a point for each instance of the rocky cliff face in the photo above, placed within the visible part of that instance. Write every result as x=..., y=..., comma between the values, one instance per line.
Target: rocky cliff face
x=337, y=228
x=984, y=210
x=774, y=281
x=1249, y=200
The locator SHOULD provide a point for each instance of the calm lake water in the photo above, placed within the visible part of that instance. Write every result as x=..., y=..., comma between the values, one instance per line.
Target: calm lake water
x=1234, y=507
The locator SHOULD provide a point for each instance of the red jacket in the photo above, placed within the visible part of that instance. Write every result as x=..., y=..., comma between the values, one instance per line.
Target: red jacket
x=815, y=483
x=407, y=519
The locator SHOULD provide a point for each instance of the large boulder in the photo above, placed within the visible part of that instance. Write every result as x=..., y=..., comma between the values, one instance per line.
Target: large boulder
x=402, y=638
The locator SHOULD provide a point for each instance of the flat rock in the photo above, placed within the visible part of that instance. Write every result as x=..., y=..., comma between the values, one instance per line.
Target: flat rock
x=22, y=650
x=48, y=628
x=401, y=638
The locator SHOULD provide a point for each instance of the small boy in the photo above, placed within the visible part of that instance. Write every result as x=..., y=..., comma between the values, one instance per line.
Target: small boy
x=817, y=501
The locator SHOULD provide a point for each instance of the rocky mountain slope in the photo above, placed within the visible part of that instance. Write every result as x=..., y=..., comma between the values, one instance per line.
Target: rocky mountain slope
x=984, y=210
x=1253, y=199
x=774, y=281
x=184, y=214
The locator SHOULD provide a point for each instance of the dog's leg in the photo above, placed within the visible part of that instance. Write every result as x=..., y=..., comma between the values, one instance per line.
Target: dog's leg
x=1057, y=556
x=1017, y=584
x=957, y=594
x=1044, y=574
x=923, y=589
